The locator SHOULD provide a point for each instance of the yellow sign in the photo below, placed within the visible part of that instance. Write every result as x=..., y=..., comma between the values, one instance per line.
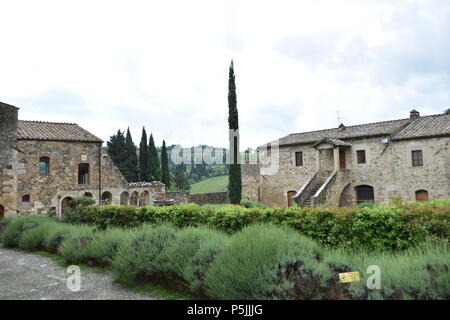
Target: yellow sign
x=349, y=277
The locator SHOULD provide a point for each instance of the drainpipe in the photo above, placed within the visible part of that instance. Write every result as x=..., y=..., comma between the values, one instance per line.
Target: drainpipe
x=99, y=174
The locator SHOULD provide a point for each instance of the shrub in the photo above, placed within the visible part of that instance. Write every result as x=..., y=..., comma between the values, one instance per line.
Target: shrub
x=11, y=235
x=252, y=204
x=233, y=218
x=56, y=235
x=261, y=262
x=191, y=253
x=96, y=248
x=416, y=273
x=34, y=239
x=368, y=205
x=139, y=257
x=75, y=214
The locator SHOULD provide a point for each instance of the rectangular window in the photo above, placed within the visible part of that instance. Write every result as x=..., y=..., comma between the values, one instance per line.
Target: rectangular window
x=269, y=151
x=299, y=158
x=361, y=156
x=83, y=173
x=417, y=159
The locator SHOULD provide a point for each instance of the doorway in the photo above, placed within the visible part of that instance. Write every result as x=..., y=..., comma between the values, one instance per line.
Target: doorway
x=290, y=194
x=364, y=193
x=342, y=162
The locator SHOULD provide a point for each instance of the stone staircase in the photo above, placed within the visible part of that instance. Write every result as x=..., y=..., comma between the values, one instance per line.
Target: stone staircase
x=310, y=189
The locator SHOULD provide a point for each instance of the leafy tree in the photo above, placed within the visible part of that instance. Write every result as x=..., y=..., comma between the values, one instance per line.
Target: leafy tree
x=235, y=183
x=165, y=173
x=180, y=179
x=131, y=162
x=115, y=148
x=154, y=164
x=143, y=157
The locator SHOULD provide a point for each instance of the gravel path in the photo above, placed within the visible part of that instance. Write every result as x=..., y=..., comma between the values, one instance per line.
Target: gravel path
x=26, y=276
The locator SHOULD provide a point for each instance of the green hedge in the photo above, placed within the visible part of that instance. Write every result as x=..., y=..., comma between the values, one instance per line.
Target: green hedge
x=380, y=227
x=262, y=261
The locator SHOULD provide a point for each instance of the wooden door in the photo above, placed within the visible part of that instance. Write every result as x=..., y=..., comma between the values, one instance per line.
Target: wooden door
x=290, y=194
x=421, y=195
x=342, y=163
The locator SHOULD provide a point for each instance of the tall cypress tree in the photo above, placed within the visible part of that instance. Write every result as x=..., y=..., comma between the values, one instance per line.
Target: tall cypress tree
x=234, y=183
x=154, y=164
x=165, y=173
x=143, y=157
x=131, y=159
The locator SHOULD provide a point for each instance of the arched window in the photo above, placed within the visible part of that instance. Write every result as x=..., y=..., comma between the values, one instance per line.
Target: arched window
x=87, y=195
x=290, y=194
x=364, y=193
x=44, y=165
x=2, y=211
x=26, y=198
x=421, y=195
x=106, y=197
x=83, y=173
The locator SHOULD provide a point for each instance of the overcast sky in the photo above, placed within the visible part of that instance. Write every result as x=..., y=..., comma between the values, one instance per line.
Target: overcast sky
x=164, y=65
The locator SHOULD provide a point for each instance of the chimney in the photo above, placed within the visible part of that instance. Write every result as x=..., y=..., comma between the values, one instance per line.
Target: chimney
x=341, y=126
x=414, y=114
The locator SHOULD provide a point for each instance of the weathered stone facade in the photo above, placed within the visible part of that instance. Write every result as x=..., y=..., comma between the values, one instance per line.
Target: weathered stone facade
x=44, y=165
x=330, y=175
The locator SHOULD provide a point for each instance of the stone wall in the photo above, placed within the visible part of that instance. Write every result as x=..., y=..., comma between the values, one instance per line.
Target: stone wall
x=209, y=198
x=250, y=179
x=178, y=196
x=388, y=169
x=8, y=177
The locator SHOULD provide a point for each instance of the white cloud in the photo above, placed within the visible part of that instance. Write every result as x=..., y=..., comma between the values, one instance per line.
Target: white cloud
x=112, y=64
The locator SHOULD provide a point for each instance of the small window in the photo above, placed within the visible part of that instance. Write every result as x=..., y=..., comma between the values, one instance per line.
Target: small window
x=361, y=156
x=83, y=173
x=417, y=159
x=299, y=158
x=26, y=198
x=269, y=151
x=44, y=164
x=421, y=195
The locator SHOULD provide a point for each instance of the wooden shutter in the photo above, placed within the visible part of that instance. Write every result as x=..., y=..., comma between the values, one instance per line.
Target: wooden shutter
x=417, y=159
x=299, y=158
x=361, y=156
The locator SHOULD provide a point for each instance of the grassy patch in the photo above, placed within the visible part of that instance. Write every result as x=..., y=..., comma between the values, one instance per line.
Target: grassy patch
x=216, y=184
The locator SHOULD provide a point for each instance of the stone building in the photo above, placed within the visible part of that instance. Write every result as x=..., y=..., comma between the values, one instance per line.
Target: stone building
x=407, y=158
x=43, y=165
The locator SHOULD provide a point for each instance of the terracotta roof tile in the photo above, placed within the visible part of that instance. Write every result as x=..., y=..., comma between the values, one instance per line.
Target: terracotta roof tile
x=425, y=126
x=54, y=131
x=435, y=125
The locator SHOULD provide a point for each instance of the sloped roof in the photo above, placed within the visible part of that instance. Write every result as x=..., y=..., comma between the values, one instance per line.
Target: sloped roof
x=428, y=126
x=53, y=131
x=425, y=126
x=362, y=130
x=334, y=142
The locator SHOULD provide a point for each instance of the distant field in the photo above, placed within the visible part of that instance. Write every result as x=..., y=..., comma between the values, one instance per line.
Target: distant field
x=216, y=184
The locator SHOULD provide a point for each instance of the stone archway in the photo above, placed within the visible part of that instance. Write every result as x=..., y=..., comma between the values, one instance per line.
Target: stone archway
x=106, y=197
x=2, y=211
x=144, y=198
x=65, y=205
x=88, y=195
x=346, y=198
x=124, y=198
x=364, y=193
x=134, y=198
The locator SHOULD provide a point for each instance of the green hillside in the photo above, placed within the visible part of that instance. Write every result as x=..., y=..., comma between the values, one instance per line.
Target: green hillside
x=216, y=184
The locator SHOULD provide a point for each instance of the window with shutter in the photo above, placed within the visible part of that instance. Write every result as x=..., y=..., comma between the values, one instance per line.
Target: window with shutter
x=299, y=158
x=361, y=156
x=417, y=159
